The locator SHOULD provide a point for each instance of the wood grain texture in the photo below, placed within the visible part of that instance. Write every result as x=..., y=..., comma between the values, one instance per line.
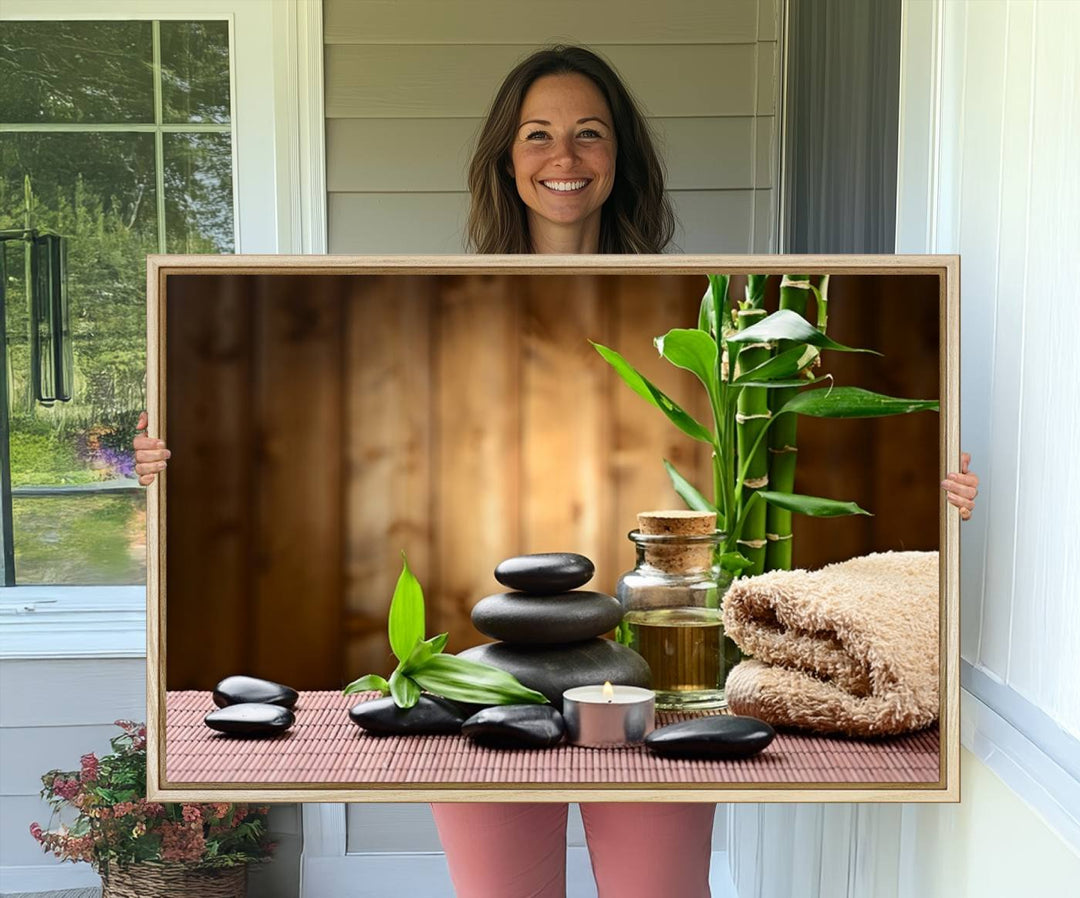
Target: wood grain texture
x=296, y=555
x=477, y=413
x=388, y=444
x=565, y=421
x=209, y=362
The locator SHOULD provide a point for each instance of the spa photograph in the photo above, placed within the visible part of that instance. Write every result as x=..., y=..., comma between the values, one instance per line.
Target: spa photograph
x=548, y=531
x=489, y=449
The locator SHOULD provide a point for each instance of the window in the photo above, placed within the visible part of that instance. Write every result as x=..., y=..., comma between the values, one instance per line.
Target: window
x=116, y=135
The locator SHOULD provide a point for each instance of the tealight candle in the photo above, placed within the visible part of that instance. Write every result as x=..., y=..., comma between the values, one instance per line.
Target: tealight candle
x=602, y=716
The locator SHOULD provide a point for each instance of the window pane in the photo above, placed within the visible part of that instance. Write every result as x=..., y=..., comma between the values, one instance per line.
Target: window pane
x=198, y=193
x=98, y=190
x=76, y=72
x=195, y=72
x=81, y=540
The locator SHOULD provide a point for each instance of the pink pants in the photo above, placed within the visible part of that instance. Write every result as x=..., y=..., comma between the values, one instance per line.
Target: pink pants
x=641, y=850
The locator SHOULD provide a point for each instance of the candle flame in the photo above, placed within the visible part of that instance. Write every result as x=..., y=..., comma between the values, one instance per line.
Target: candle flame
x=608, y=690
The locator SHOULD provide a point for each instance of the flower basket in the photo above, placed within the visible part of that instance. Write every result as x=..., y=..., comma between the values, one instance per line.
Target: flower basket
x=172, y=880
x=149, y=849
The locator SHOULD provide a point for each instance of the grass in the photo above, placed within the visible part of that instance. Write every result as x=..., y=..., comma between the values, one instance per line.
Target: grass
x=81, y=540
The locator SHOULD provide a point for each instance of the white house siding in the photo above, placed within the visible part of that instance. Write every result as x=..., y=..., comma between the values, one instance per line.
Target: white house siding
x=408, y=84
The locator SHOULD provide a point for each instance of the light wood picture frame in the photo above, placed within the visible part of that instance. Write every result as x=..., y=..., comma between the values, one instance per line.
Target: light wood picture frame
x=271, y=581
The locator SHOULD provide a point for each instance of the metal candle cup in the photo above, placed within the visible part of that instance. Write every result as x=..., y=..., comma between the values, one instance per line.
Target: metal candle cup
x=596, y=720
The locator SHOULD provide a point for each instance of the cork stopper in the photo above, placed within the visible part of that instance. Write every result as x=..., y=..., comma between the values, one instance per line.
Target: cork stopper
x=677, y=556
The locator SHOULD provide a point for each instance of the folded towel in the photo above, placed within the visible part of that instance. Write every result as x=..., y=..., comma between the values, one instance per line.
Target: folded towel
x=851, y=648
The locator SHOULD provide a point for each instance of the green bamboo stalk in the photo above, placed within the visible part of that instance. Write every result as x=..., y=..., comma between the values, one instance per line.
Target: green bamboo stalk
x=795, y=290
x=753, y=416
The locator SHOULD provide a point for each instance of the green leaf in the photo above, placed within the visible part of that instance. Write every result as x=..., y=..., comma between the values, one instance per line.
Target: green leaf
x=366, y=684
x=693, y=351
x=470, y=681
x=424, y=650
x=650, y=393
x=437, y=643
x=788, y=325
x=778, y=384
x=811, y=505
x=406, y=624
x=713, y=305
x=779, y=367
x=687, y=491
x=734, y=561
x=853, y=402
x=405, y=691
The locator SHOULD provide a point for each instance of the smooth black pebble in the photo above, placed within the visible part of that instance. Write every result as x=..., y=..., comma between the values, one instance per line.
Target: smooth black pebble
x=250, y=719
x=545, y=573
x=431, y=715
x=515, y=726
x=720, y=736
x=239, y=689
x=552, y=669
x=534, y=620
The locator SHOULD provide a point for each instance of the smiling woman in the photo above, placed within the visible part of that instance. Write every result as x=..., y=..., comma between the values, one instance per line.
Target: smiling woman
x=563, y=116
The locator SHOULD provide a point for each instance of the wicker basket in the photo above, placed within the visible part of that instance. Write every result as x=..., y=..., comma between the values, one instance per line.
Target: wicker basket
x=158, y=880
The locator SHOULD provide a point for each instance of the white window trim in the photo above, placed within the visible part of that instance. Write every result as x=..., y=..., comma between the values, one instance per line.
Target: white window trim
x=280, y=205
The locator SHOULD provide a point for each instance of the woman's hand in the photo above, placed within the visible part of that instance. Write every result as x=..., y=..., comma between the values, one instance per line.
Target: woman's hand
x=150, y=454
x=961, y=489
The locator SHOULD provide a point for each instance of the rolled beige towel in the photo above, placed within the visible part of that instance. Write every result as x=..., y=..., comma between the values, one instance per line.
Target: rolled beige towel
x=851, y=648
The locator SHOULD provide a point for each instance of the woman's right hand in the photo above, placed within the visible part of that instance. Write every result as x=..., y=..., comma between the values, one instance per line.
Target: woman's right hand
x=150, y=454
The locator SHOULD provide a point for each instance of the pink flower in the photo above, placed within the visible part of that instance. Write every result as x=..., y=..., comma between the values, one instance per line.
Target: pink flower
x=65, y=788
x=192, y=814
x=36, y=831
x=89, y=767
x=123, y=808
x=181, y=842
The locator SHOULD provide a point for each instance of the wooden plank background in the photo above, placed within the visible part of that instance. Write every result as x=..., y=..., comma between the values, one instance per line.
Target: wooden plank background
x=322, y=424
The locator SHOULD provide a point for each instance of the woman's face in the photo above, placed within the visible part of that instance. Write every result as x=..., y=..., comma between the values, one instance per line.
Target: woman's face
x=563, y=154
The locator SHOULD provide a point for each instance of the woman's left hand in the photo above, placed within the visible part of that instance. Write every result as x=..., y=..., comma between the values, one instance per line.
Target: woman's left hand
x=962, y=488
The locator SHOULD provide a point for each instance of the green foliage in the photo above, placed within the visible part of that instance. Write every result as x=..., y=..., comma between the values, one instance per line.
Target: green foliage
x=421, y=664
x=778, y=352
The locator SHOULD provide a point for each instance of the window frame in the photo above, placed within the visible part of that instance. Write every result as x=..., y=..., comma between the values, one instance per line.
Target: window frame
x=279, y=206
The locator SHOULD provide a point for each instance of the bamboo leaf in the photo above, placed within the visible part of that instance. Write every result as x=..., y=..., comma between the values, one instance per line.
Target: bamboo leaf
x=811, y=505
x=853, y=402
x=470, y=681
x=693, y=351
x=438, y=643
x=422, y=651
x=788, y=325
x=367, y=684
x=640, y=385
x=777, y=384
x=686, y=490
x=779, y=367
x=718, y=291
x=406, y=621
x=734, y=562
x=404, y=689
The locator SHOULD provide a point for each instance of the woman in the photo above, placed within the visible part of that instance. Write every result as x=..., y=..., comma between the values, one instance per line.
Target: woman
x=565, y=164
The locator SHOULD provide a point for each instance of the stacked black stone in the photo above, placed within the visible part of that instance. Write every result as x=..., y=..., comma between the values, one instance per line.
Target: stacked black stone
x=248, y=706
x=550, y=630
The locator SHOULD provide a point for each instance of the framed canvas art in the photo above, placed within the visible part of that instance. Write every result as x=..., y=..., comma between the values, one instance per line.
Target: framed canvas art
x=358, y=443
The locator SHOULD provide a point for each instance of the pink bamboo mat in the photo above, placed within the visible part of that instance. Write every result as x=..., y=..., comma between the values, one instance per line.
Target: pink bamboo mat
x=325, y=748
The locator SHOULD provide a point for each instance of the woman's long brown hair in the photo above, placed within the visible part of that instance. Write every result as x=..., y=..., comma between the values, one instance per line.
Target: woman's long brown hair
x=637, y=216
